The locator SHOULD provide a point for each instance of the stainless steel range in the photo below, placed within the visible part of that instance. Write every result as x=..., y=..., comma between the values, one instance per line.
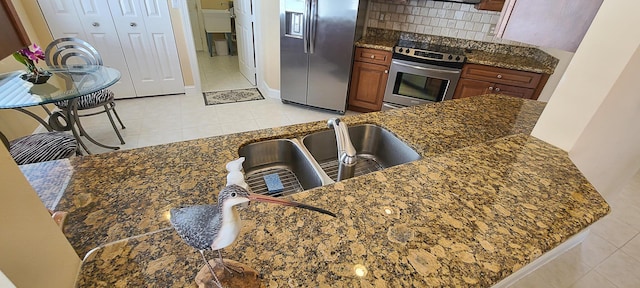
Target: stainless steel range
x=422, y=73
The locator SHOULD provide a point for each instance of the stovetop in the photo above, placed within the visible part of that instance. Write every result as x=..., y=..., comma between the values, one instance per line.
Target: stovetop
x=432, y=47
x=429, y=53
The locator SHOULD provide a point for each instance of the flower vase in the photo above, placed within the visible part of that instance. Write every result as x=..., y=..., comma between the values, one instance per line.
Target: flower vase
x=34, y=78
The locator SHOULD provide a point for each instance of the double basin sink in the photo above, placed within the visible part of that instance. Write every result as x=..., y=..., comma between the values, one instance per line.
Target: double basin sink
x=312, y=161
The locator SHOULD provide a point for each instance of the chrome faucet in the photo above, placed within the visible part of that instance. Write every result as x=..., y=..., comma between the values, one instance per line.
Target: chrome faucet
x=346, y=152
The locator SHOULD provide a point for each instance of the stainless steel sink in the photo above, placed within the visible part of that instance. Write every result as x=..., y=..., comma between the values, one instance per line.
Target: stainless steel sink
x=312, y=161
x=285, y=157
x=376, y=147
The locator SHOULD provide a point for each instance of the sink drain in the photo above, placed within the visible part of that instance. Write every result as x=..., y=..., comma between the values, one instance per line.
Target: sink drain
x=365, y=164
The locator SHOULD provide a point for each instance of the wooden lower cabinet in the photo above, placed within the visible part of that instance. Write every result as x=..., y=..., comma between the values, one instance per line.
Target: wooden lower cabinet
x=481, y=79
x=514, y=91
x=368, y=79
x=368, y=82
x=469, y=87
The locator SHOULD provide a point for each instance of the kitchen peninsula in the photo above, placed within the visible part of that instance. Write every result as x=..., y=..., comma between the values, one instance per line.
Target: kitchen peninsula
x=485, y=200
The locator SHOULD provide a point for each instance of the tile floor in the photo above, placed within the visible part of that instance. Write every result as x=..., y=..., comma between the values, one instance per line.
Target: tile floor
x=219, y=73
x=609, y=257
x=164, y=119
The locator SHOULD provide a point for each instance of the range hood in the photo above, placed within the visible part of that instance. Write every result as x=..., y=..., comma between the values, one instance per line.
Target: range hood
x=461, y=1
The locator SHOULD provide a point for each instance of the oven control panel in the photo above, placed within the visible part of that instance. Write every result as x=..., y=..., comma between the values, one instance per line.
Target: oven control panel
x=430, y=55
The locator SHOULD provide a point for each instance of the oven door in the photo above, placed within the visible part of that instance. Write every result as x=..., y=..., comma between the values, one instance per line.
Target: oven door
x=412, y=83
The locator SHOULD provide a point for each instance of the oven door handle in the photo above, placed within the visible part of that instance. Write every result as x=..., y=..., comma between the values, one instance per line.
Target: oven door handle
x=387, y=106
x=425, y=68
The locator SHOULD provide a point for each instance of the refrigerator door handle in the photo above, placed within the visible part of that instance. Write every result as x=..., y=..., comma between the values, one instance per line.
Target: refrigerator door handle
x=312, y=24
x=305, y=29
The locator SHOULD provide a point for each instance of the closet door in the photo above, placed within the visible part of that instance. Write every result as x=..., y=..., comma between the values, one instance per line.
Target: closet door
x=91, y=21
x=146, y=36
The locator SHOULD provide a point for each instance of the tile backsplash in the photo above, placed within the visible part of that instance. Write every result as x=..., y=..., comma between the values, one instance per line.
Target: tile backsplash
x=436, y=18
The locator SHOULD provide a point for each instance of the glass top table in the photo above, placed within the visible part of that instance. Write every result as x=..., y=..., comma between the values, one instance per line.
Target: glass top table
x=66, y=83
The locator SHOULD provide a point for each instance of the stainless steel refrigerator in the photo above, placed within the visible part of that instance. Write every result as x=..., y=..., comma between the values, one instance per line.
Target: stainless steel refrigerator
x=316, y=50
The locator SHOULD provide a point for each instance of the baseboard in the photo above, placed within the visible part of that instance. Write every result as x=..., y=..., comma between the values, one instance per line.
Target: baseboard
x=544, y=259
x=191, y=89
x=268, y=91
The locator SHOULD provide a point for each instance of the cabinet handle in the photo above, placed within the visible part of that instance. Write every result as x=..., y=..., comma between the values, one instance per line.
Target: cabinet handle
x=95, y=24
x=491, y=88
x=373, y=56
x=497, y=89
x=386, y=71
x=133, y=24
x=499, y=76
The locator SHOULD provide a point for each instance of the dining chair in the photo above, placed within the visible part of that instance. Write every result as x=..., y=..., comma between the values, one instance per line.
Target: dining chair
x=41, y=147
x=74, y=51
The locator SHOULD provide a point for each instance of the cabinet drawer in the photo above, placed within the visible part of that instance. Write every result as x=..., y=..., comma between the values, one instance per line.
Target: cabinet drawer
x=373, y=56
x=519, y=92
x=501, y=75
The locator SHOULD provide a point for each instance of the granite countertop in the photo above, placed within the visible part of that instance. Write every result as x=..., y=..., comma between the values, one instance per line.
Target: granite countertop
x=378, y=43
x=521, y=58
x=508, y=61
x=485, y=200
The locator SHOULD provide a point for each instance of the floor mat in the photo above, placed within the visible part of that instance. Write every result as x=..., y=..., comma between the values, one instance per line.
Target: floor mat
x=231, y=96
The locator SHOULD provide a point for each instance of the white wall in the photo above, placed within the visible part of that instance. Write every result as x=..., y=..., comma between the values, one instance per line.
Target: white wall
x=564, y=58
x=592, y=112
x=608, y=150
x=268, y=46
x=590, y=77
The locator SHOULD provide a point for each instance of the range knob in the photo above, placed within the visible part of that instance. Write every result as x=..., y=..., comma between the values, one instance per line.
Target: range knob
x=457, y=58
x=450, y=57
x=406, y=50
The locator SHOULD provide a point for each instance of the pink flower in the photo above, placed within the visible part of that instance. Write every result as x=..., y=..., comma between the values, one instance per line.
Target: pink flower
x=28, y=55
x=34, y=53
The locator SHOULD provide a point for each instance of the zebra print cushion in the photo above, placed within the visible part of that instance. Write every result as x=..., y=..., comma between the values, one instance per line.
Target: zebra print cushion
x=89, y=101
x=42, y=147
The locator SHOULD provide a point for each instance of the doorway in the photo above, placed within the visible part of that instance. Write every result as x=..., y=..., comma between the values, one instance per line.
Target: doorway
x=217, y=57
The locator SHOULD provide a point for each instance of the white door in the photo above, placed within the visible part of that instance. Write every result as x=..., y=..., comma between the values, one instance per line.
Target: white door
x=90, y=20
x=244, y=35
x=146, y=36
x=195, y=24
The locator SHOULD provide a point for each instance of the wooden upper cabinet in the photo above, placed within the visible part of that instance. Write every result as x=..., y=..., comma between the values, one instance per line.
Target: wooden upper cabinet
x=491, y=5
x=13, y=35
x=557, y=24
